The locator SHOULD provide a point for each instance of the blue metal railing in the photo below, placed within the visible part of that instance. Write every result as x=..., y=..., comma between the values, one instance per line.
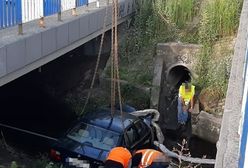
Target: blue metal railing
x=81, y=2
x=13, y=12
x=10, y=13
x=51, y=7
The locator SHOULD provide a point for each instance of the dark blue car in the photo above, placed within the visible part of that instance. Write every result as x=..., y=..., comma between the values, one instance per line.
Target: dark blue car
x=97, y=133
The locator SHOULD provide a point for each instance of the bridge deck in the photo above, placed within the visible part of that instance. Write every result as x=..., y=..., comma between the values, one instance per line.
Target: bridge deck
x=20, y=54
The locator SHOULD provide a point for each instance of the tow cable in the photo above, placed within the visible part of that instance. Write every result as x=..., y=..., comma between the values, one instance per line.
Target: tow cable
x=28, y=132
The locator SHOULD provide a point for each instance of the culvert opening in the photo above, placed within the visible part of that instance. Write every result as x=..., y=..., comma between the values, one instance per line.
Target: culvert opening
x=175, y=76
x=178, y=74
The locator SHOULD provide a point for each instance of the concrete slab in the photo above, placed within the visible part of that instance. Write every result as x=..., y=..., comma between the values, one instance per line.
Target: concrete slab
x=3, y=61
x=84, y=26
x=100, y=18
x=109, y=18
x=93, y=23
x=16, y=55
x=49, y=40
x=74, y=30
x=62, y=36
x=33, y=52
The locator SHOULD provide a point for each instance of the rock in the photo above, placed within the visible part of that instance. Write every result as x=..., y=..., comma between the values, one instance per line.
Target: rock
x=195, y=112
x=211, y=101
x=207, y=127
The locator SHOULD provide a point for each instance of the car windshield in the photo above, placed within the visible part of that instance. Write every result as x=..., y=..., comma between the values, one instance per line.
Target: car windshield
x=94, y=136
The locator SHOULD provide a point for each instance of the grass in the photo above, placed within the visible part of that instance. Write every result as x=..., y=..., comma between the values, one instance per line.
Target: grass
x=219, y=19
x=179, y=11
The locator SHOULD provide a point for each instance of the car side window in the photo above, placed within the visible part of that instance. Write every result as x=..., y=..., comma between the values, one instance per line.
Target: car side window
x=142, y=129
x=132, y=136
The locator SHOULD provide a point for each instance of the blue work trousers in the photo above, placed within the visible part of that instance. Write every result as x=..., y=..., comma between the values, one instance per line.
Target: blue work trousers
x=182, y=116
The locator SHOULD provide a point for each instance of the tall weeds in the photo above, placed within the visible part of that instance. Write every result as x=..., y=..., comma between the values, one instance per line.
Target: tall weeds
x=219, y=18
x=180, y=11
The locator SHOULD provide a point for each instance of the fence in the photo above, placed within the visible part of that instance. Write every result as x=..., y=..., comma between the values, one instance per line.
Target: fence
x=10, y=13
x=13, y=12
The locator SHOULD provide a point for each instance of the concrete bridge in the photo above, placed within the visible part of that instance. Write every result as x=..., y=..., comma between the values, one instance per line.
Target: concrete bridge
x=64, y=26
x=232, y=146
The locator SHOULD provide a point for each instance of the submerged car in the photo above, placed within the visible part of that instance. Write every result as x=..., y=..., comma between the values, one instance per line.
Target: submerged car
x=97, y=133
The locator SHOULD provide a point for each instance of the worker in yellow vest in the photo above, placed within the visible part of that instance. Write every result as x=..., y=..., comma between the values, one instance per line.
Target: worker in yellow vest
x=118, y=157
x=149, y=158
x=185, y=101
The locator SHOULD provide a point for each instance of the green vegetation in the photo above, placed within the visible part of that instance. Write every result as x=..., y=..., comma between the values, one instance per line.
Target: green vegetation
x=134, y=96
x=219, y=19
x=179, y=12
x=206, y=22
x=138, y=48
x=44, y=162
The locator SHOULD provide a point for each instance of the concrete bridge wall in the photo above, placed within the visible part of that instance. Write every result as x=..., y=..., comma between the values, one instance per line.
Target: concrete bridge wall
x=231, y=148
x=20, y=54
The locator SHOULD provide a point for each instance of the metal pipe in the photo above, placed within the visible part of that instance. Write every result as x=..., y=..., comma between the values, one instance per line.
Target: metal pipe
x=28, y=132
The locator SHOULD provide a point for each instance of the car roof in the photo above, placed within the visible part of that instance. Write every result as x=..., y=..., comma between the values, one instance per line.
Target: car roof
x=102, y=118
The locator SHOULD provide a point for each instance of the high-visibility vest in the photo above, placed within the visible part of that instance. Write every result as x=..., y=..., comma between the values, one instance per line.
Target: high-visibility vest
x=148, y=156
x=120, y=155
x=186, y=96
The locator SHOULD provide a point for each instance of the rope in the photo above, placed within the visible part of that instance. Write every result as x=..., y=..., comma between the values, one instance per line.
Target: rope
x=117, y=62
x=113, y=88
x=97, y=61
x=115, y=76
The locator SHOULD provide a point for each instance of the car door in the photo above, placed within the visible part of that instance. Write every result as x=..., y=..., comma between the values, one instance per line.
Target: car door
x=144, y=133
x=131, y=137
x=137, y=136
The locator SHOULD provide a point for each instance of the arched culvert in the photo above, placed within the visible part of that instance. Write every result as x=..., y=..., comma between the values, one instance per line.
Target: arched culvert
x=177, y=74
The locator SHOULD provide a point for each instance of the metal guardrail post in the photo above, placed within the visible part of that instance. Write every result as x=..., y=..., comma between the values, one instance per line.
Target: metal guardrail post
x=20, y=29
x=97, y=3
x=59, y=16
x=74, y=12
x=42, y=22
